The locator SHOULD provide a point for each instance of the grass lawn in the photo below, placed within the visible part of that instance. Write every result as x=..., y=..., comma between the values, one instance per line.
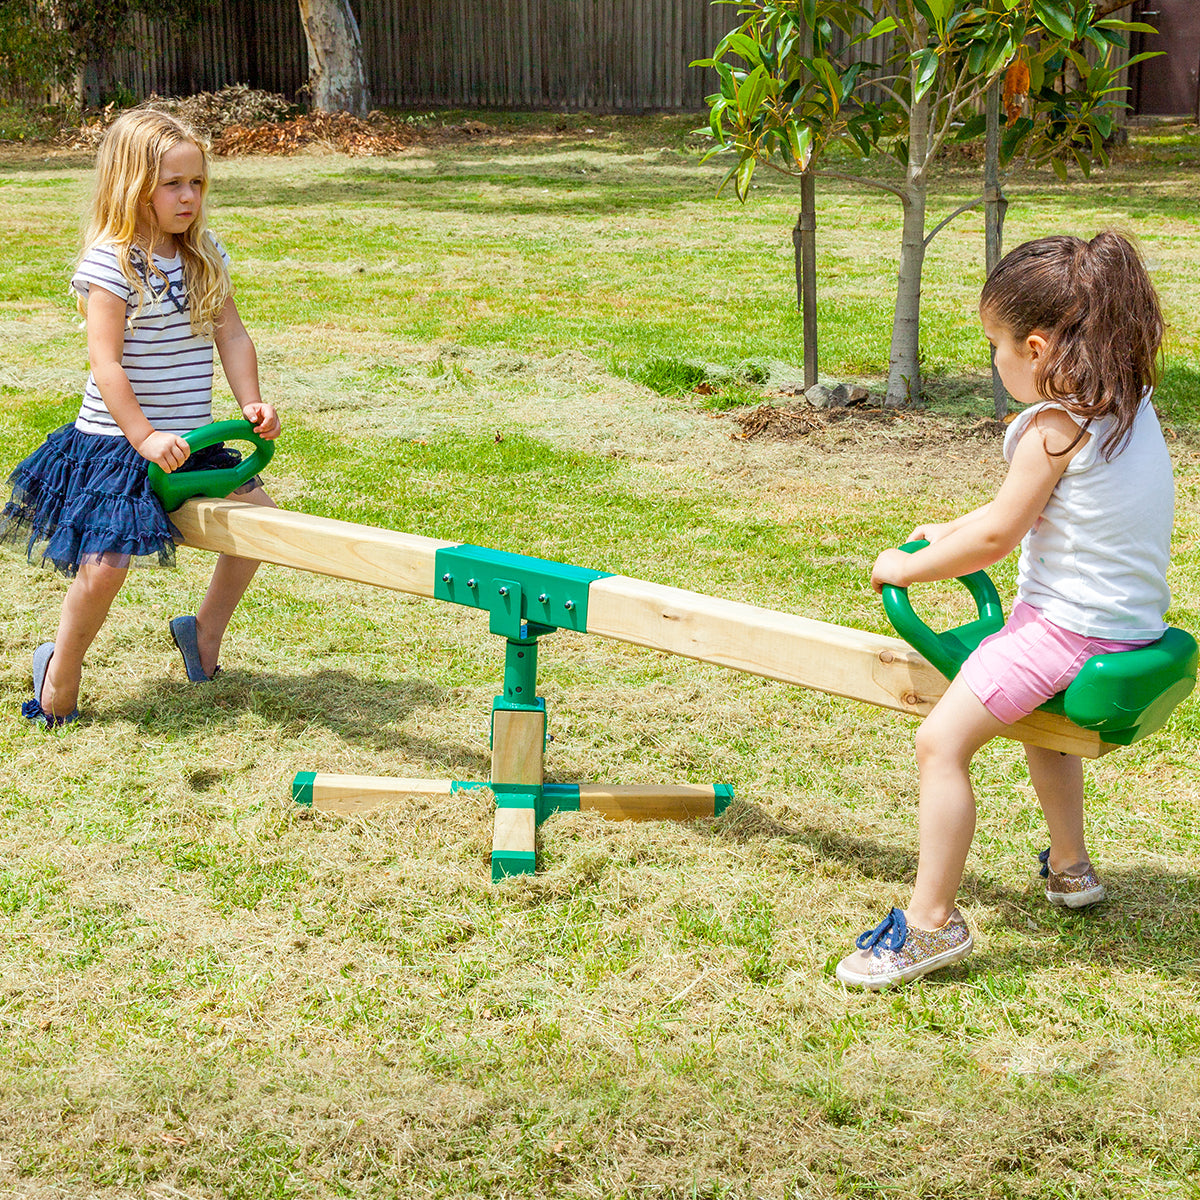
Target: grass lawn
x=205, y=994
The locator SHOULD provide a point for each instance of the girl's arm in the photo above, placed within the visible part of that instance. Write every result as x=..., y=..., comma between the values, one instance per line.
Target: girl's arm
x=106, y=345
x=240, y=361
x=932, y=531
x=994, y=531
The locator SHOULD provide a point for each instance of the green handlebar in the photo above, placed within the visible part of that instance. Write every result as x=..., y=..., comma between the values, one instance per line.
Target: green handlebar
x=174, y=487
x=946, y=651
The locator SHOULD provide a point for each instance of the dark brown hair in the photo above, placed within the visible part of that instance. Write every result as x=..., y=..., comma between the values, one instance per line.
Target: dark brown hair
x=1094, y=304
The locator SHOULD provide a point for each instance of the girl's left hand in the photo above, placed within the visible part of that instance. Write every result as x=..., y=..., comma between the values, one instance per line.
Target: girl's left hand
x=264, y=419
x=892, y=566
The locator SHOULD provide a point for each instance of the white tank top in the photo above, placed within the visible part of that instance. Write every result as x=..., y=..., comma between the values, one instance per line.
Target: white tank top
x=1096, y=560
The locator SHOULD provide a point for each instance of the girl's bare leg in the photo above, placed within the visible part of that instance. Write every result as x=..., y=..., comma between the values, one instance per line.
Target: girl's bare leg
x=1058, y=781
x=946, y=743
x=230, y=579
x=84, y=610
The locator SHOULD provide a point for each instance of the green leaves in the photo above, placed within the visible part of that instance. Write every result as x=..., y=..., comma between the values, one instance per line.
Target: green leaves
x=799, y=139
x=887, y=25
x=1055, y=17
x=743, y=175
x=786, y=96
x=939, y=10
x=925, y=68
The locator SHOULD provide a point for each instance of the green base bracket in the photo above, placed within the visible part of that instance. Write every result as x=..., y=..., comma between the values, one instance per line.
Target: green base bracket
x=520, y=807
x=302, y=788
x=510, y=863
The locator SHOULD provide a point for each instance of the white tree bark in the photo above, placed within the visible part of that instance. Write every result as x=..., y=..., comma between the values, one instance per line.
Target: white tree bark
x=904, y=362
x=336, y=78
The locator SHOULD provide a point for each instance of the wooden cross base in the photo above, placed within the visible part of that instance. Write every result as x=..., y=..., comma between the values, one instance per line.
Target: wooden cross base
x=523, y=799
x=518, y=814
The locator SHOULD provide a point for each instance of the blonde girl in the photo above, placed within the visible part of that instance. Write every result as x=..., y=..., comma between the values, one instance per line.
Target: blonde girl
x=153, y=285
x=1089, y=496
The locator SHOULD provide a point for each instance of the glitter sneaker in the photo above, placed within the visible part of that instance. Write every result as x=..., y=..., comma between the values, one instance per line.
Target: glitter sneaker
x=1071, y=891
x=896, y=952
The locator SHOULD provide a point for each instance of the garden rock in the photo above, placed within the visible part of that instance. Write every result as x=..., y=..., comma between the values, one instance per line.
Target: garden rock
x=821, y=395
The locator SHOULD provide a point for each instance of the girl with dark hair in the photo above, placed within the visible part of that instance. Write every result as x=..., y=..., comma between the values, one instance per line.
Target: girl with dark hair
x=1089, y=496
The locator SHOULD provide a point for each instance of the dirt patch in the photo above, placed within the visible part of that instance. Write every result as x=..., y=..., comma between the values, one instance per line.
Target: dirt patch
x=919, y=429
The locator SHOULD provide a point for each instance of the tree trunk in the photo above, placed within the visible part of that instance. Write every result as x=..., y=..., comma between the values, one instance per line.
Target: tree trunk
x=336, y=79
x=804, y=237
x=904, y=363
x=994, y=208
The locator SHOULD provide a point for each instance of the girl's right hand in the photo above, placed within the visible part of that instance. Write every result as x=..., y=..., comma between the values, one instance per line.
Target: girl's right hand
x=167, y=450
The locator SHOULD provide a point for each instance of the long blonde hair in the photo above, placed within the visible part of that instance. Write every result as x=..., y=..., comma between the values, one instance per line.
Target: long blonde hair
x=128, y=167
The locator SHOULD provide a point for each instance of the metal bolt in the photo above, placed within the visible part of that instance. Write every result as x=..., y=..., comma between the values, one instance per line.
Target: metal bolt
x=446, y=577
x=570, y=604
x=543, y=598
x=504, y=591
x=472, y=583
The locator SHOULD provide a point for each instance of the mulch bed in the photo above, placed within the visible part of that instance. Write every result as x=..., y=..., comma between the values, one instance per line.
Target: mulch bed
x=789, y=423
x=338, y=132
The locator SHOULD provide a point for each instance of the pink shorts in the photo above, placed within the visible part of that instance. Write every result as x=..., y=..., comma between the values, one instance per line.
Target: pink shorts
x=1028, y=661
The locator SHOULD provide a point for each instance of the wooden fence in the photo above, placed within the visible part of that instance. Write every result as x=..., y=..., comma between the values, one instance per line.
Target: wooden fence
x=601, y=55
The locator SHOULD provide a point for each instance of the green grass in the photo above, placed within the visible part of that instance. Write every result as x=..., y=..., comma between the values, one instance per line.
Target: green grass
x=205, y=994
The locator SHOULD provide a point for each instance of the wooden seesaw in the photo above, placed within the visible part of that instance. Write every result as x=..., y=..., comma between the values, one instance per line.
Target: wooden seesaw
x=527, y=598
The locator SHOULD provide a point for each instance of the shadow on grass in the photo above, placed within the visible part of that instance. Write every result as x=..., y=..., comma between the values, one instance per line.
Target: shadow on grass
x=436, y=190
x=361, y=712
x=1151, y=919
x=1177, y=398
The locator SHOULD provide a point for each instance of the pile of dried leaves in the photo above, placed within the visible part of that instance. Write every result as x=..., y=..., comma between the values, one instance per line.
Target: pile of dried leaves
x=209, y=113
x=769, y=420
x=241, y=120
x=331, y=131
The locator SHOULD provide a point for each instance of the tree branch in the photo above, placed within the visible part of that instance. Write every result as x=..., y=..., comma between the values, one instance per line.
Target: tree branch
x=962, y=208
x=954, y=105
x=893, y=12
x=881, y=184
x=883, y=87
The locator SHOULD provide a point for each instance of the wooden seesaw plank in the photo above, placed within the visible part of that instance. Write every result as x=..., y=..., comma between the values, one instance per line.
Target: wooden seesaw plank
x=814, y=654
x=403, y=562
x=793, y=649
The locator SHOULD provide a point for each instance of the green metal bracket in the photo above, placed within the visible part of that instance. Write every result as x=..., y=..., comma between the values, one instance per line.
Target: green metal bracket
x=520, y=676
x=507, y=863
x=558, y=797
x=722, y=798
x=302, y=788
x=514, y=589
x=520, y=685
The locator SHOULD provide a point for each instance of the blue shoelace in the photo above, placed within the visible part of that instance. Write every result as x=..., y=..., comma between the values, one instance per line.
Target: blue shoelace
x=31, y=710
x=889, y=934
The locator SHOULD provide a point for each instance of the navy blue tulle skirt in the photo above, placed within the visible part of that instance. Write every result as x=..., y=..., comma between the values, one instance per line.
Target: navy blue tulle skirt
x=86, y=498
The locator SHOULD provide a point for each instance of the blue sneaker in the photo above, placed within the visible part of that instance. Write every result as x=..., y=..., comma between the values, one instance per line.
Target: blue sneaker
x=896, y=952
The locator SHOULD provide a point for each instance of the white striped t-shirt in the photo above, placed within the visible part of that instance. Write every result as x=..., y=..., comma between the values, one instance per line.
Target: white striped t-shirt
x=170, y=369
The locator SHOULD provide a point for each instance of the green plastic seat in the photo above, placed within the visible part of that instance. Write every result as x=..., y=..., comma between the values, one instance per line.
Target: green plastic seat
x=1122, y=696
x=174, y=487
